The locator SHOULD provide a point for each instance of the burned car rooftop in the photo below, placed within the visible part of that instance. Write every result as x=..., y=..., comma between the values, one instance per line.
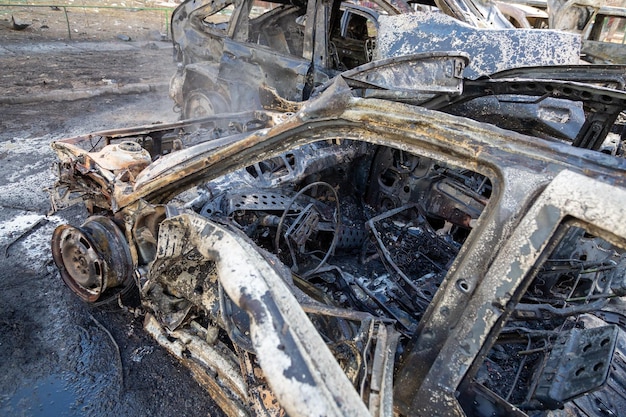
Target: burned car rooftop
x=361, y=256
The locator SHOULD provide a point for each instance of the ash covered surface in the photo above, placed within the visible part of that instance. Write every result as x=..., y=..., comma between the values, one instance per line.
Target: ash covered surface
x=59, y=356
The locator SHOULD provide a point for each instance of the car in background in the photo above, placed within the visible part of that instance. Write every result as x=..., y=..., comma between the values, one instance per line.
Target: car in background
x=233, y=55
x=229, y=50
x=525, y=16
x=604, y=36
x=242, y=56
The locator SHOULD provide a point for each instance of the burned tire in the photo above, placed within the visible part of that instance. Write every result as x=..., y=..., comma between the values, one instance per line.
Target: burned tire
x=199, y=103
x=93, y=259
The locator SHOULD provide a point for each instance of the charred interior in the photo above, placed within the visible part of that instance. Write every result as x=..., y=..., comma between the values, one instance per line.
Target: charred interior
x=367, y=231
x=363, y=235
x=374, y=228
x=553, y=348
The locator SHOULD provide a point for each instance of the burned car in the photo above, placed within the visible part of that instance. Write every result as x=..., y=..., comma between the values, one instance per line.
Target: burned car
x=362, y=256
x=228, y=50
x=244, y=55
x=239, y=55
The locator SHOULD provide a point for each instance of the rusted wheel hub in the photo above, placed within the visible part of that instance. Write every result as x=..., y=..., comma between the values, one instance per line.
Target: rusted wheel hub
x=92, y=258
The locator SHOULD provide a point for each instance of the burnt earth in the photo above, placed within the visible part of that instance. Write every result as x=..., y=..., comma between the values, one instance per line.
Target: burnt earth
x=59, y=356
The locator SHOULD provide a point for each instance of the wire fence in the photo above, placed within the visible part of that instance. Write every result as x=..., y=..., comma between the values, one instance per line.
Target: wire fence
x=82, y=19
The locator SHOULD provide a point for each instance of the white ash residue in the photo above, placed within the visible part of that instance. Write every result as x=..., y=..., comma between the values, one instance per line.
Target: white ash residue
x=11, y=228
x=29, y=234
x=490, y=50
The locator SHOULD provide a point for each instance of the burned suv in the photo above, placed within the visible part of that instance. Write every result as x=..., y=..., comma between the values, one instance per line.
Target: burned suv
x=228, y=50
x=363, y=256
x=239, y=55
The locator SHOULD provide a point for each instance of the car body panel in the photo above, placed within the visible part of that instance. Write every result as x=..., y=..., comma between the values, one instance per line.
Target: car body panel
x=490, y=51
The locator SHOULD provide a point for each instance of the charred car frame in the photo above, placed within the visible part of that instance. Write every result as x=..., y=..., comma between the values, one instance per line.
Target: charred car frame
x=363, y=256
x=240, y=55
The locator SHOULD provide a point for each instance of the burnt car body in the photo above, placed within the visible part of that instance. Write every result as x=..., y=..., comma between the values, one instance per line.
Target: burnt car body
x=525, y=16
x=283, y=47
x=602, y=28
x=243, y=55
x=604, y=36
x=363, y=256
x=251, y=58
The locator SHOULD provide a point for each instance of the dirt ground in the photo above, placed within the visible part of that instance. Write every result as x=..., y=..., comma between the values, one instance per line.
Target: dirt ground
x=96, y=20
x=59, y=356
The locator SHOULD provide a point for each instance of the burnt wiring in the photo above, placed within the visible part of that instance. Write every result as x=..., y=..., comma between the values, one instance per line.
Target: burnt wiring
x=304, y=235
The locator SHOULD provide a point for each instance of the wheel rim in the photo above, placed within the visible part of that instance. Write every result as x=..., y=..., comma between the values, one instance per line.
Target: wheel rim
x=198, y=105
x=80, y=265
x=92, y=258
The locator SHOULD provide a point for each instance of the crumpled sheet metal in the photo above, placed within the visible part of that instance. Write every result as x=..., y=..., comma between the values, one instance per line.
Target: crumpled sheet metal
x=490, y=50
x=204, y=361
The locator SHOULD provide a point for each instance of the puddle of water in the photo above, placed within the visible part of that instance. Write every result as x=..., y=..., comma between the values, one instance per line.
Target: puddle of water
x=50, y=396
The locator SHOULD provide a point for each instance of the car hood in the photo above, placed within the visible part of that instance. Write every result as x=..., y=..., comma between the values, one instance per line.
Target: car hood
x=489, y=50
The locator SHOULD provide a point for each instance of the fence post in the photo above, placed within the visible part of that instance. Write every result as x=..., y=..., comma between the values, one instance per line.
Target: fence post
x=67, y=20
